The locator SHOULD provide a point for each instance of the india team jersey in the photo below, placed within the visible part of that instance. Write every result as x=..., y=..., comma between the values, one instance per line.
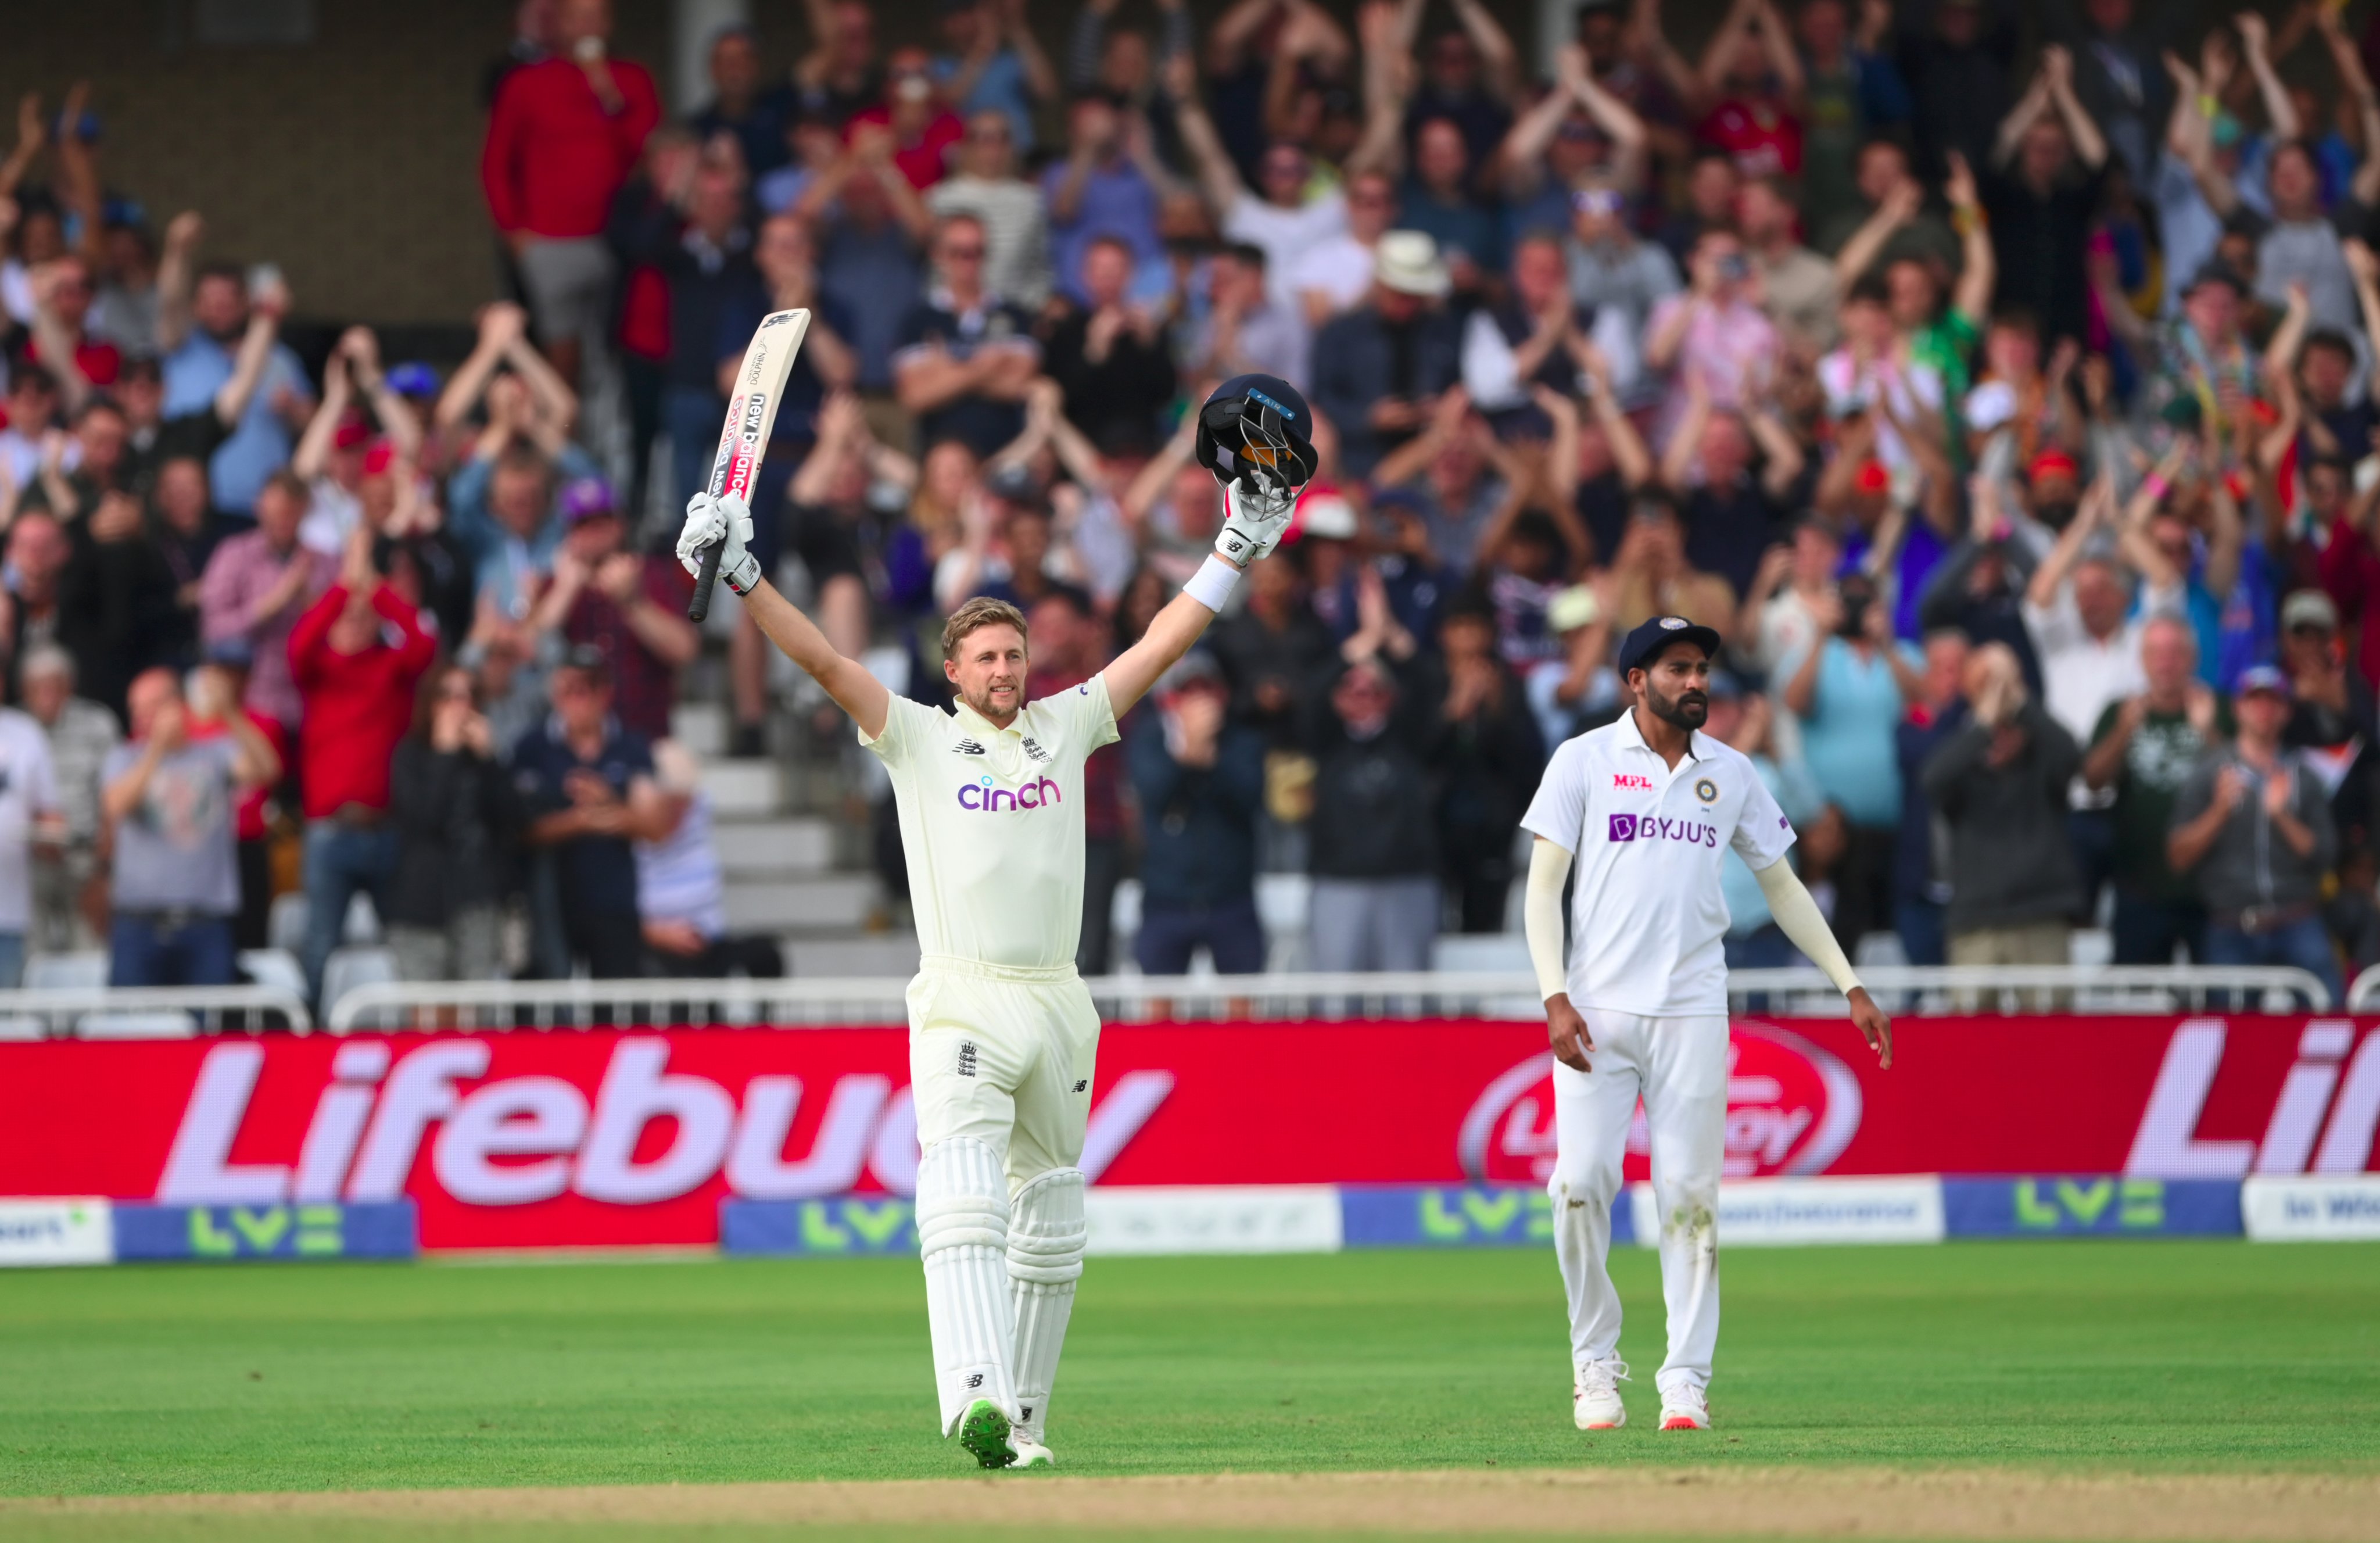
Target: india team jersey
x=991, y=822
x=1647, y=922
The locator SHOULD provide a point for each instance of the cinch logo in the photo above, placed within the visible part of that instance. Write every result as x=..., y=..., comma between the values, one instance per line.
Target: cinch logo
x=1629, y=827
x=1630, y=779
x=984, y=795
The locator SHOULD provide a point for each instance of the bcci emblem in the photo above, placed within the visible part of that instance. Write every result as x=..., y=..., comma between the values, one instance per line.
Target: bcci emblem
x=1707, y=790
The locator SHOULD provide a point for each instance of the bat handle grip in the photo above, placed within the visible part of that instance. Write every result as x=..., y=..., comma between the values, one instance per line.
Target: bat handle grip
x=698, y=607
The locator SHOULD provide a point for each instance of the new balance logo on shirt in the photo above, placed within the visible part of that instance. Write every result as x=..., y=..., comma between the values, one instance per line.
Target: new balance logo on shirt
x=966, y=748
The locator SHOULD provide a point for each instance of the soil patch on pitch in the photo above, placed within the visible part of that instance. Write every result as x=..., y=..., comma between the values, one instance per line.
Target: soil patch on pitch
x=1959, y=1503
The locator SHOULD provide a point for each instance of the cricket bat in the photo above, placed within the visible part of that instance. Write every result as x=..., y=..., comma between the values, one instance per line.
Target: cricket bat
x=744, y=438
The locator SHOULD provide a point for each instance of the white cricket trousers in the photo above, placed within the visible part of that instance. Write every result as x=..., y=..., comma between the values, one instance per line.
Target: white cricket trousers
x=999, y=1065
x=1004, y=1055
x=1679, y=1067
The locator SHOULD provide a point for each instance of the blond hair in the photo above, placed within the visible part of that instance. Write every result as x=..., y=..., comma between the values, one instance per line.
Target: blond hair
x=981, y=612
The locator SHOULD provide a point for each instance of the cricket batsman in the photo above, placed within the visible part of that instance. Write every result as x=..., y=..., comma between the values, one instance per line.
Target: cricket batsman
x=1636, y=1003
x=1001, y=1031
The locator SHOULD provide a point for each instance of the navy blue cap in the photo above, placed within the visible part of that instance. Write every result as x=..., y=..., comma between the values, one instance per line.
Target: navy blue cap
x=1642, y=645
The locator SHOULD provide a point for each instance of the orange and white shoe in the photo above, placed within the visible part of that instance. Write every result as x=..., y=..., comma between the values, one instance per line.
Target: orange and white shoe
x=1595, y=1395
x=1684, y=1407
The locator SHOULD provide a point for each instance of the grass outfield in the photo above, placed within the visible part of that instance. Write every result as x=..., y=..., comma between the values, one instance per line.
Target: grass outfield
x=2161, y=1356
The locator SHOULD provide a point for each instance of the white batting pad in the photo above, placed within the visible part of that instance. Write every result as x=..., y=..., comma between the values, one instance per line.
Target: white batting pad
x=962, y=1232
x=1045, y=1260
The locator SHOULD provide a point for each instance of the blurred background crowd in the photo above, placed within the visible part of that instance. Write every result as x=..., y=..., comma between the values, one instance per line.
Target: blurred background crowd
x=1996, y=378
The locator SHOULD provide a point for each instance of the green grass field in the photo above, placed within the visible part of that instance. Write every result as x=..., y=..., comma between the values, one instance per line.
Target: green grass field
x=2147, y=1357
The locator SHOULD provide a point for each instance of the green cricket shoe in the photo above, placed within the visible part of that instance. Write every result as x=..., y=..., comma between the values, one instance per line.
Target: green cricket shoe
x=983, y=1430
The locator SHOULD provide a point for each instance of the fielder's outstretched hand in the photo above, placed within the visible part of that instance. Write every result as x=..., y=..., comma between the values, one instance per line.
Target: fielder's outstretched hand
x=711, y=518
x=1567, y=1032
x=1874, y=1023
x=1253, y=523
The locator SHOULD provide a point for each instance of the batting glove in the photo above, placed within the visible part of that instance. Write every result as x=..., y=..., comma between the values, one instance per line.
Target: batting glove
x=1253, y=522
x=713, y=518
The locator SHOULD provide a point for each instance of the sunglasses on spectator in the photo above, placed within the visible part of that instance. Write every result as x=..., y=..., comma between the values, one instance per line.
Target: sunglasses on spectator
x=963, y=254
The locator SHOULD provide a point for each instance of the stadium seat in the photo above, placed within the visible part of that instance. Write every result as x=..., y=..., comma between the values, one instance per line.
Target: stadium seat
x=274, y=966
x=167, y=1025
x=285, y=927
x=66, y=972
x=1481, y=953
x=350, y=968
x=22, y=1026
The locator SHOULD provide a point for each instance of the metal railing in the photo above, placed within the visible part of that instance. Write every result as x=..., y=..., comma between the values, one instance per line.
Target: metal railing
x=1940, y=989
x=150, y=1011
x=827, y=1003
x=2364, y=991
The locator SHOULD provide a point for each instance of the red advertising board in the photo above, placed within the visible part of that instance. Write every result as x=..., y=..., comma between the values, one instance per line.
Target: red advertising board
x=631, y=1136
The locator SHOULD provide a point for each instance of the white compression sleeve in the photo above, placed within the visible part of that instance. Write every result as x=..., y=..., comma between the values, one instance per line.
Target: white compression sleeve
x=1541, y=915
x=1800, y=919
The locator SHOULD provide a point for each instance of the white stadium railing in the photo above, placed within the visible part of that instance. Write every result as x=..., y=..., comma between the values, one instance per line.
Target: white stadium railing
x=1500, y=994
x=150, y=1011
x=99, y=1013
x=2364, y=991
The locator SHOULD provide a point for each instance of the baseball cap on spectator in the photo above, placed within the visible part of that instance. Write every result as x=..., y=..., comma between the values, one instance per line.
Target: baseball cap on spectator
x=2215, y=271
x=1650, y=638
x=1407, y=262
x=1571, y=609
x=585, y=499
x=1013, y=481
x=588, y=660
x=2265, y=678
x=1604, y=200
x=1324, y=514
x=1990, y=405
x=1194, y=668
x=352, y=432
x=2309, y=608
x=231, y=653
x=413, y=378
x=378, y=458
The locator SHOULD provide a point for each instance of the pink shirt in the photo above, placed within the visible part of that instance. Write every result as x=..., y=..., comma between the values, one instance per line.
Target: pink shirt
x=1733, y=349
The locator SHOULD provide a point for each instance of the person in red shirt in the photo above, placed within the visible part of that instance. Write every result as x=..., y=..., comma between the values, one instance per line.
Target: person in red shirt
x=564, y=134
x=356, y=655
x=922, y=127
x=1751, y=78
x=62, y=343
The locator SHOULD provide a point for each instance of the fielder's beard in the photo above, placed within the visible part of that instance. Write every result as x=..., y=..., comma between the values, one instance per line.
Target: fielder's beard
x=1687, y=710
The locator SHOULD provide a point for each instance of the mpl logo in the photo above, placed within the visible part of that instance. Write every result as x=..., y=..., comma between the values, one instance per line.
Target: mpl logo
x=985, y=796
x=1631, y=779
x=1792, y=1108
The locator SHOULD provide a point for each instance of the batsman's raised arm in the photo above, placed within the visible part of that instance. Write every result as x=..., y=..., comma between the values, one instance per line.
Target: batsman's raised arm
x=728, y=520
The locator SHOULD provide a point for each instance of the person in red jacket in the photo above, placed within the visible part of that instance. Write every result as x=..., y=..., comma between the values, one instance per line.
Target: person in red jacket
x=564, y=134
x=356, y=655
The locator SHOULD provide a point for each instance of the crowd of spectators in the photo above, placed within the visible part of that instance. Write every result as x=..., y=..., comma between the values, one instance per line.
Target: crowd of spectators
x=1999, y=385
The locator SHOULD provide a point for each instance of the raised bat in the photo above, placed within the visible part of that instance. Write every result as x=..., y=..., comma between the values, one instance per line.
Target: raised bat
x=744, y=438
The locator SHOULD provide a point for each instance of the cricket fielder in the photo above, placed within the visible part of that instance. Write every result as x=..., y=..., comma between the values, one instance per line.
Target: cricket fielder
x=1001, y=1031
x=1636, y=1006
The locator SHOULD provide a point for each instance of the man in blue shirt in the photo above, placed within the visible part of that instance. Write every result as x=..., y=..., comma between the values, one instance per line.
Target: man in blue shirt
x=200, y=331
x=587, y=785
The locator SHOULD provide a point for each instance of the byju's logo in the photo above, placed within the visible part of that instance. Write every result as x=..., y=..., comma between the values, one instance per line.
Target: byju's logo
x=1629, y=827
x=987, y=797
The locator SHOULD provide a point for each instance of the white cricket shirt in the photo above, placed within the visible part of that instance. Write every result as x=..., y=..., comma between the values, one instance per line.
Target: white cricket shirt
x=1647, y=919
x=991, y=823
